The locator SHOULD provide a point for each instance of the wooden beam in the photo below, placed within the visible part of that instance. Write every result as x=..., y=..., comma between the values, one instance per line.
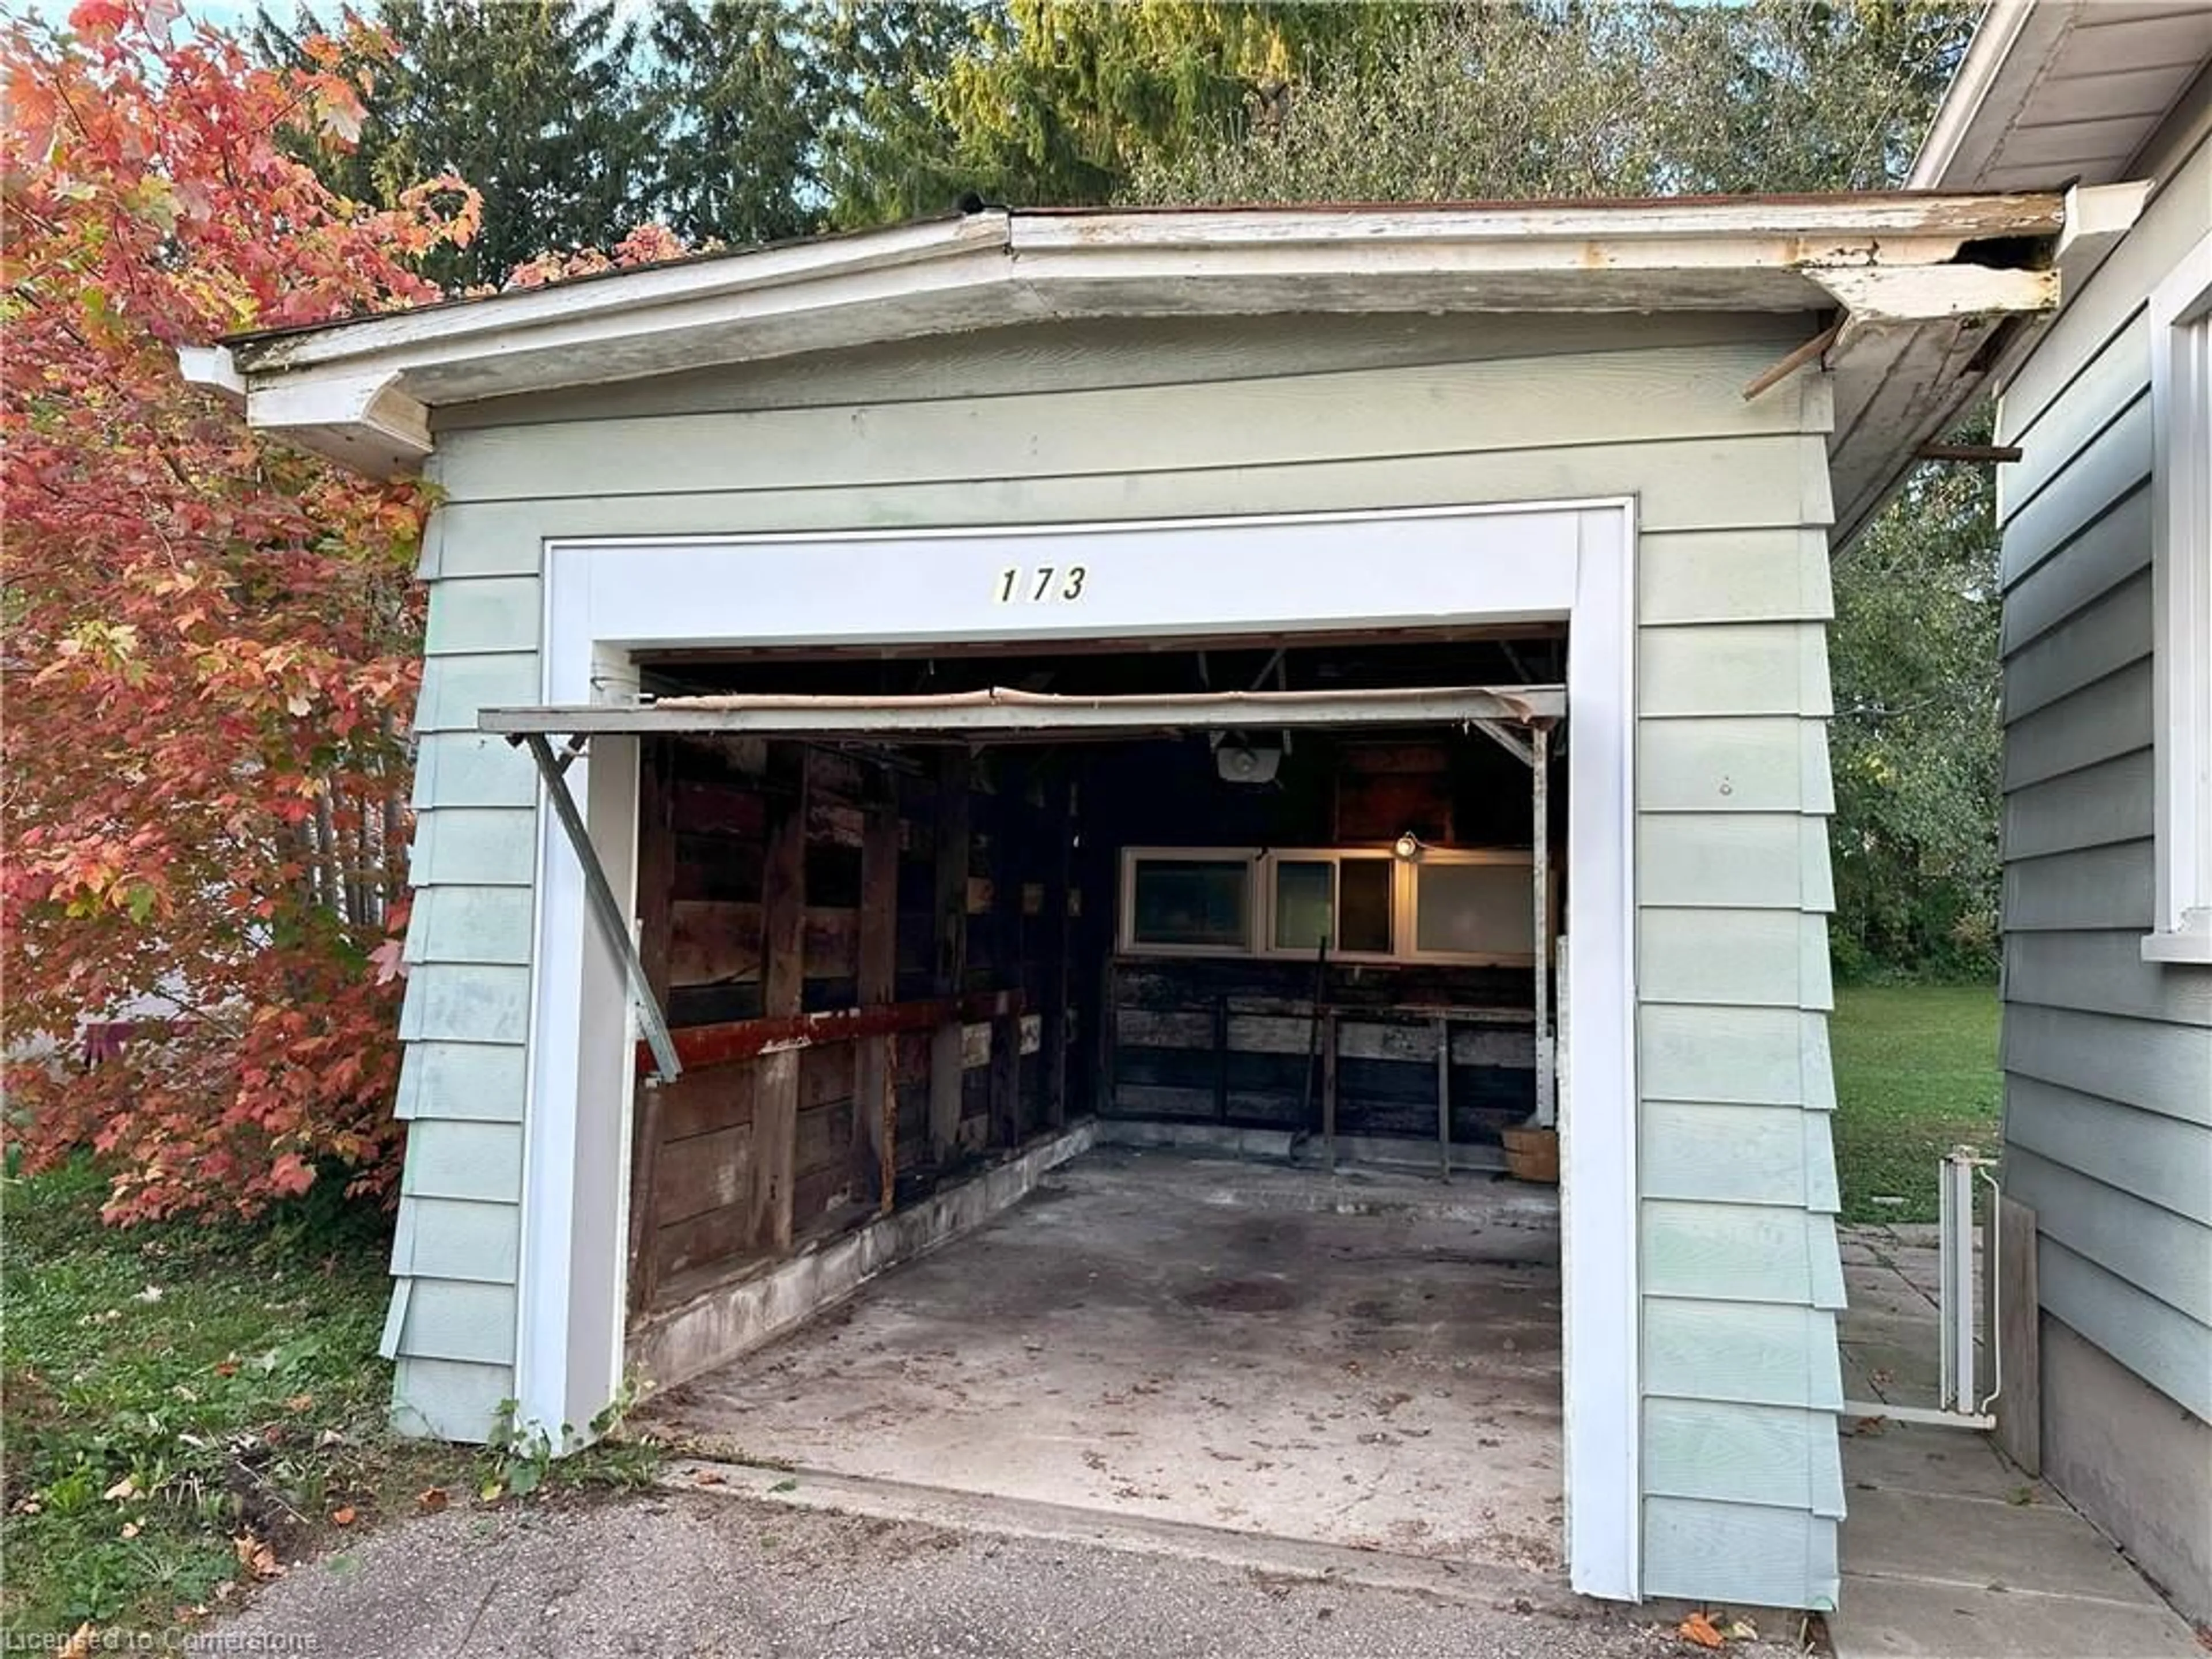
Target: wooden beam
x=656, y=890
x=2013, y=1302
x=1994, y=452
x=951, y=952
x=783, y=984
x=1443, y=1097
x=1327, y=1017
x=1052, y=1046
x=702, y=1048
x=1767, y=378
x=875, y=1105
x=1011, y=854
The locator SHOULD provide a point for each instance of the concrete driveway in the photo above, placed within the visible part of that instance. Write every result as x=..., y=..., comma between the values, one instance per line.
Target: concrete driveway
x=684, y=1574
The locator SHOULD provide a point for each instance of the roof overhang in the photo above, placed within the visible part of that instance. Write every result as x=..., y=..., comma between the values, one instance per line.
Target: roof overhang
x=2063, y=89
x=2089, y=91
x=1918, y=284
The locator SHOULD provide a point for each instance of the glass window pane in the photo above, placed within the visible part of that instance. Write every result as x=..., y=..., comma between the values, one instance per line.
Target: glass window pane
x=1362, y=894
x=1303, y=902
x=1473, y=910
x=1192, y=901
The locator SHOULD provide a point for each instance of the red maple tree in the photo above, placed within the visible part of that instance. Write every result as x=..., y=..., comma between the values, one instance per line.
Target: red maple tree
x=210, y=640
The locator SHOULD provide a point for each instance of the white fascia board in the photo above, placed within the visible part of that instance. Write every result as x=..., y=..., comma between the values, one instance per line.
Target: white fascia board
x=495, y=319
x=1800, y=223
x=994, y=269
x=210, y=367
x=362, y=420
x=893, y=266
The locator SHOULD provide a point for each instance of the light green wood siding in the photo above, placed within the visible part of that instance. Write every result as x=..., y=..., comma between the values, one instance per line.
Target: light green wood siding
x=1734, y=1453
x=470, y=924
x=462, y=1320
x=450, y=1157
x=449, y=1399
x=2107, y=1058
x=1773, y=861
x=1737, y=1154
x=1742, y=959
x=465, y=1080
x=472, y=769
x=1060, y=425
x=1734, y=575
x=1705, y=1551
x=1760, y=1352
x=497, y=613
x=457, y=1238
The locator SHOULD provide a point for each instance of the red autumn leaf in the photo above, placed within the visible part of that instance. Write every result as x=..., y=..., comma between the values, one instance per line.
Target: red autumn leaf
x=190, y=854
x=213, y=641
x=1699, y=1629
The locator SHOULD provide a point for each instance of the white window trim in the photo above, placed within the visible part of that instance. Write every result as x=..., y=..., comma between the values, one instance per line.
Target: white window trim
x=1405, y=883
x=605, y=598
x=1334, y=857
x=1248, y=857
x=2181, y=606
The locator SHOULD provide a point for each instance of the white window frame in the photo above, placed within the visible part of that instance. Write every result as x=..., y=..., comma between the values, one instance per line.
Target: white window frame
x=1521, y=858
x=1263, y=863
x=1334, y=858
x=1255, y=907
x=2181, y=606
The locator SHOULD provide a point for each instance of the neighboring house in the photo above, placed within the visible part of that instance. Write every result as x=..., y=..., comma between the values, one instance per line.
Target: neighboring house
x=2107, y=561
x=1522, y=473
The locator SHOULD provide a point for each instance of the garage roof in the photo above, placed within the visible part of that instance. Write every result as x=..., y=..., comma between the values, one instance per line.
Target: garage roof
x=1917, y=284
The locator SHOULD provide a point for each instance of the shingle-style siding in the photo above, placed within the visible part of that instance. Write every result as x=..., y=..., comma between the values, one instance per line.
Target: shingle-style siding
x=2107, y=1058
x=1087, y=423
x=466, y=1013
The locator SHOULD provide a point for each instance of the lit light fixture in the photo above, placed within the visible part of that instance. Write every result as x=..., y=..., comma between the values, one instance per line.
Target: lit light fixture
x=1408, y=847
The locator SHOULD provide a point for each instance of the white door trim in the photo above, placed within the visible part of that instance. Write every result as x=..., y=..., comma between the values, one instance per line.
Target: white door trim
x=1266, y=575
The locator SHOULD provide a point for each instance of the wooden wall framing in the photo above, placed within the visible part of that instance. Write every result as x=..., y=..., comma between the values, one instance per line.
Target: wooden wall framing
x=854, y=952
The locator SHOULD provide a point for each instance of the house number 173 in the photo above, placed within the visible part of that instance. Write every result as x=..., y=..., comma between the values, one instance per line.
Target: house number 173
x=1041, y=586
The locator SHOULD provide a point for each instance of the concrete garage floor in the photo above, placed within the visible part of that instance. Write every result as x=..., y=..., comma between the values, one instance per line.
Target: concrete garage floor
x=1371, y=1362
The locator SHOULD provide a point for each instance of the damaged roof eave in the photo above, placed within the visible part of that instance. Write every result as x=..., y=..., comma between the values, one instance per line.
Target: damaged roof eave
x=361, y=391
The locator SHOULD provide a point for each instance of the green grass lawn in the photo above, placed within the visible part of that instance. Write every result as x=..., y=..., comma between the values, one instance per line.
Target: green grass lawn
x=1915, y=1075
x=186, y=1404
x=172, y=1388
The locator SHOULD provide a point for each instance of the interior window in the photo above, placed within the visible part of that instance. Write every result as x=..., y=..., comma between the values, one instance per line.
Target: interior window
x=1362, y=894
x=1472, y=909
x=1200, y=902
x=1303, y=902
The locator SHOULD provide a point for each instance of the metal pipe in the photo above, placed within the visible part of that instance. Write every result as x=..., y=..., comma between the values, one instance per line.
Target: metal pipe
x=1443, y=1098
x=1539, y=737
x=603, y=905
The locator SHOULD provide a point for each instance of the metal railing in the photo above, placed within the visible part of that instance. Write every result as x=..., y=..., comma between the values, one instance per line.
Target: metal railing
x=1960, y=1405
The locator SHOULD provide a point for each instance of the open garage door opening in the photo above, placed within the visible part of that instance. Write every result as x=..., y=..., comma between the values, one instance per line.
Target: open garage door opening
x=1254, y=928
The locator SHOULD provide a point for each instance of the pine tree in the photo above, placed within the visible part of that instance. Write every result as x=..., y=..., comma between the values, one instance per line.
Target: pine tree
x=537, y=103
x=737, y=93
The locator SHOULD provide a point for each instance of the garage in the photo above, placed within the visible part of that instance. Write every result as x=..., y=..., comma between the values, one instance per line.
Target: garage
x=930, y=919
x=1107, y=716
x=1294, y=922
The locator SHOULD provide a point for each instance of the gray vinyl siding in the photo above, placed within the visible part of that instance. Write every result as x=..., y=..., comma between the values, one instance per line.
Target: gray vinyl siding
x=2107, y=1058
x=1736, y=1237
